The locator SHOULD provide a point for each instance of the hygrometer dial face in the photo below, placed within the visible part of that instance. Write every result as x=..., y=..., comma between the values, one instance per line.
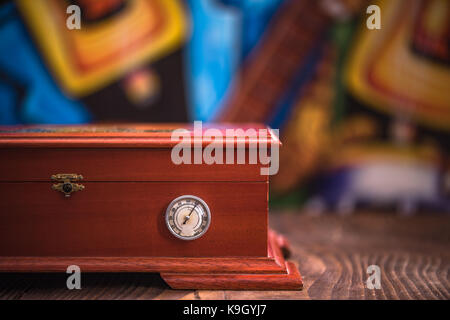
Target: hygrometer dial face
x=188, y=217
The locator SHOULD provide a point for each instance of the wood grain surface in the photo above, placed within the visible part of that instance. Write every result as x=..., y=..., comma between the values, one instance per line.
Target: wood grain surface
x=107, y=164
x=126, y=219
x=332, y=253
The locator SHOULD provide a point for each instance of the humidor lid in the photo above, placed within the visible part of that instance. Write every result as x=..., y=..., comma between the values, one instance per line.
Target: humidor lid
x=135, y=135
x=141, y=152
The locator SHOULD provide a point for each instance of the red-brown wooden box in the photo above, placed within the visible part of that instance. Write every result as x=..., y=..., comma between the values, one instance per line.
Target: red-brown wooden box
x=117, y=222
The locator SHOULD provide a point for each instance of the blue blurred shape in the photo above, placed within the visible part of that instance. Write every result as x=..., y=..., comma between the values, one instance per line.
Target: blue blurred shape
x=213, y=55
x=28, y=94
x=256, y=17
x=223, y=33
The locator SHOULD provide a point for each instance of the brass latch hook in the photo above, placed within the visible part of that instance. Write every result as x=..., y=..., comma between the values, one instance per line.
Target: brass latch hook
x=65, y=184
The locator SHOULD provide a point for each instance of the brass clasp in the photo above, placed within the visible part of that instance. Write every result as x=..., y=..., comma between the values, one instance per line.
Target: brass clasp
x=66, y=184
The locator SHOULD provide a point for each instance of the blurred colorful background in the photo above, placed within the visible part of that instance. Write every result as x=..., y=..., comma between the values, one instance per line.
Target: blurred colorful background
x=364, y=115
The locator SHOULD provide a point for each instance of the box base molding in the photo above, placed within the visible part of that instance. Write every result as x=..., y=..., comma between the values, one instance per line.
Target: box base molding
x=290, y=280
x=282, y=274
x=235, y=273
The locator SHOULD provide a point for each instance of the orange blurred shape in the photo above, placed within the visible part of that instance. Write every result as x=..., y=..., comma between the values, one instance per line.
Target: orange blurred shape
x=94, y=9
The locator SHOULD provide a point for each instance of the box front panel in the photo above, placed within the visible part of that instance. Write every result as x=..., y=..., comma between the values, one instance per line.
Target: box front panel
x=118, y=164
x=127, y=219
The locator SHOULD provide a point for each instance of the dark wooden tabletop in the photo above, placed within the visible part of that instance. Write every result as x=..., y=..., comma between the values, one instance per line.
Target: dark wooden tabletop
x=332, y=252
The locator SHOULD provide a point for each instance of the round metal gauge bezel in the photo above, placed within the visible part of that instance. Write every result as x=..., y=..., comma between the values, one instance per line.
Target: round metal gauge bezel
x=205, y=206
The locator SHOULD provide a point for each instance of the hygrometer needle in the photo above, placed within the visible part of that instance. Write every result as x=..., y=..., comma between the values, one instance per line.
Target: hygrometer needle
x=189, y=215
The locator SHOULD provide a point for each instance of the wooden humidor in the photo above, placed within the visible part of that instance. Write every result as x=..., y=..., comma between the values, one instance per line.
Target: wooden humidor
x=96, y=197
